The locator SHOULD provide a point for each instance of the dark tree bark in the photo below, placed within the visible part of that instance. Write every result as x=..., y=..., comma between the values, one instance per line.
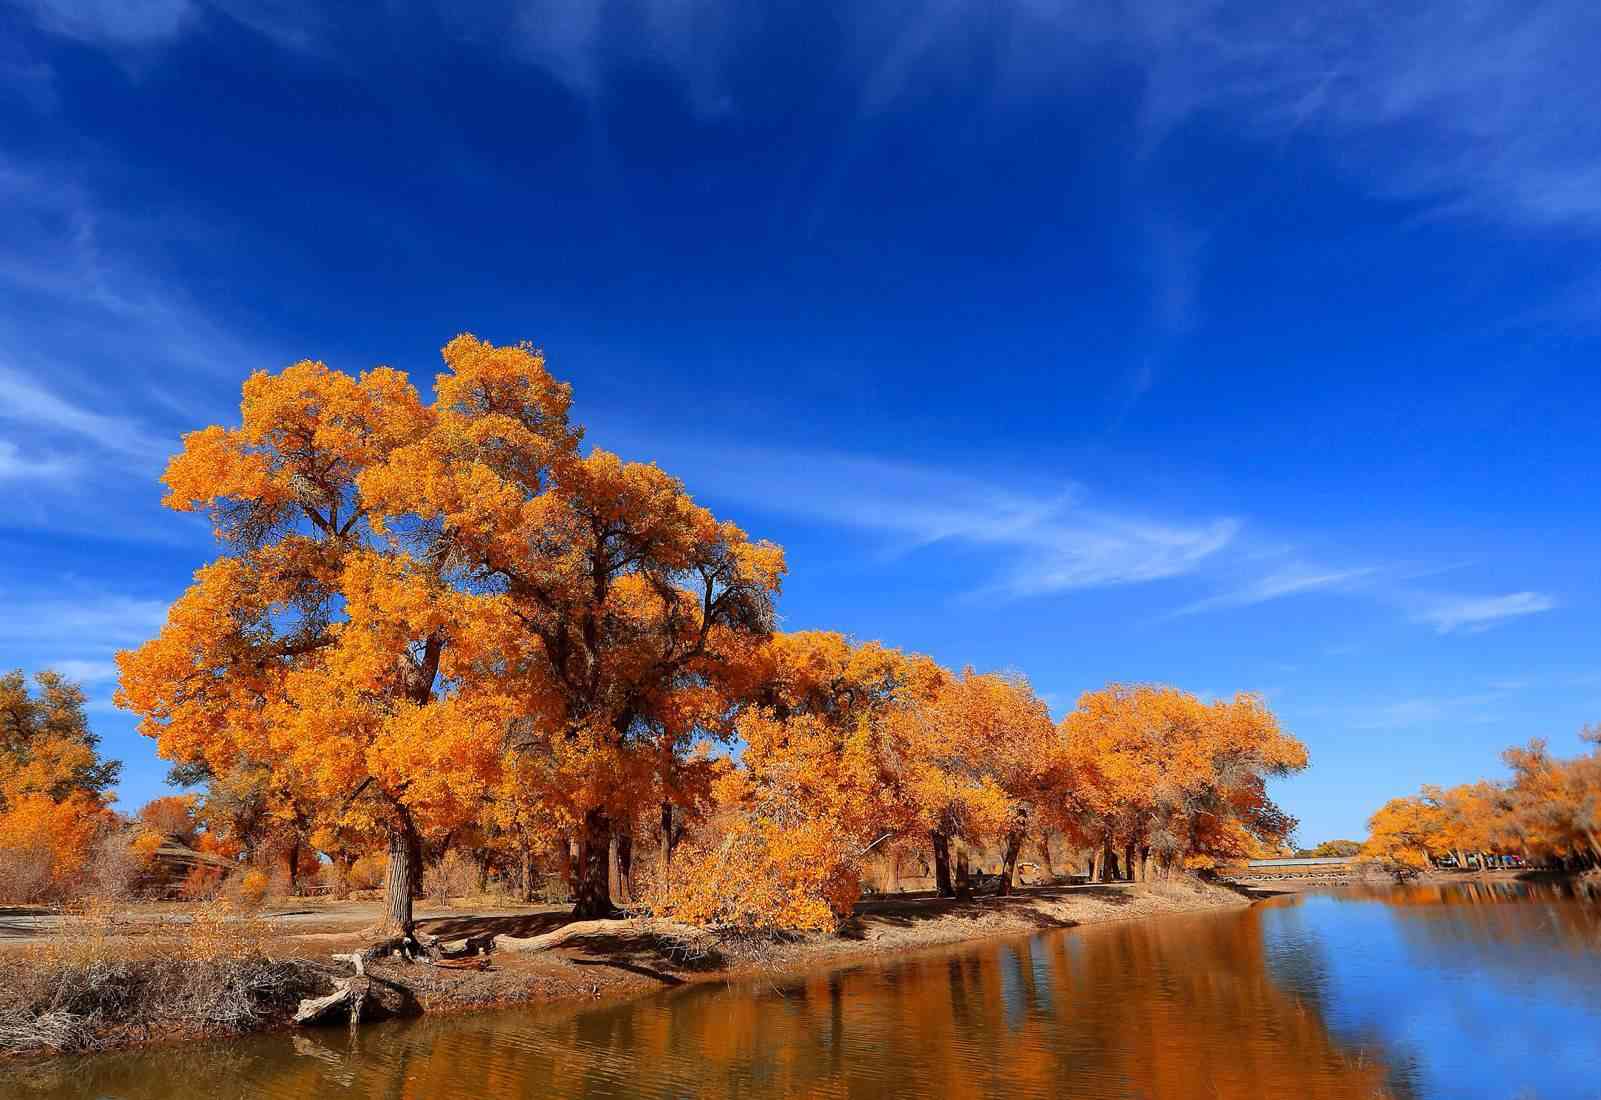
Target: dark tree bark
x=942, y=865
x=530, y=875
x=1108, y=863
x=403, y=876
x=1128, y=862
x=1014, y=845
x=671, y=832
x=591, y=885
x=620, y=869
x=1106, y=866
x=964, y=880
x=292, y=865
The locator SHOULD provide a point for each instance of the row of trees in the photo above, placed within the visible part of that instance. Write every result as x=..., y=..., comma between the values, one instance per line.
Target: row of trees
x=447, y=623
x=1548, y=811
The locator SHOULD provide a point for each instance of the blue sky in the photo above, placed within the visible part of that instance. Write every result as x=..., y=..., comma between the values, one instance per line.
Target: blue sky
x=1234, y=346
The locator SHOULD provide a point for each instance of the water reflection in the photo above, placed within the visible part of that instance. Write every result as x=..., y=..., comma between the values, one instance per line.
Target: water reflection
x=1326, y=996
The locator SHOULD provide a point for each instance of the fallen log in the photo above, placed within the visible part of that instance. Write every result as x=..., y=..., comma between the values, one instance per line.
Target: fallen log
x=620, y=926
x=349, y=994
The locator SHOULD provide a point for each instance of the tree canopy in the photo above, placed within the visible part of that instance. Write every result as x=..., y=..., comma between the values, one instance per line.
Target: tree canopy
x=435, y=620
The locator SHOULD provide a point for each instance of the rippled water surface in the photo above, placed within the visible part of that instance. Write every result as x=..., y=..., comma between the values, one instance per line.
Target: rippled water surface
x=1459, y=991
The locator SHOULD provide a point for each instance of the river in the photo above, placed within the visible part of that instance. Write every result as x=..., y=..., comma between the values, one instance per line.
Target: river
x=1462, y=991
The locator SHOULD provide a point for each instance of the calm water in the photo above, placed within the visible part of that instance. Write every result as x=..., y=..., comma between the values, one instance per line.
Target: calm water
x=1462, y=991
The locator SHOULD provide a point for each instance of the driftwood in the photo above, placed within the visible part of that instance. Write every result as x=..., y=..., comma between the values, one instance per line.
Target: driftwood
x=349, y=993
x=621, y=926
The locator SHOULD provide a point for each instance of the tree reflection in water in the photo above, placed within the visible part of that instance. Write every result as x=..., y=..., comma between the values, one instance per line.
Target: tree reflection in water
x=1219, y=1006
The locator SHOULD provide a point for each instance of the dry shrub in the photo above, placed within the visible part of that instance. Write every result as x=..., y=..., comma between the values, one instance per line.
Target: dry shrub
x=25, y=873
x=89, y=987
x=116, y=867
x=202, y=883
x=335, y=879
x=453, y=876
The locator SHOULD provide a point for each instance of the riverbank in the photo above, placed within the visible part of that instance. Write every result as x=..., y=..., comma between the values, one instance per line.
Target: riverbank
x=121, y=984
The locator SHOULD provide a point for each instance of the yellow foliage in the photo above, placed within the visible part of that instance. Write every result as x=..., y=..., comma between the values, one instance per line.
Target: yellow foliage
x=59, y=834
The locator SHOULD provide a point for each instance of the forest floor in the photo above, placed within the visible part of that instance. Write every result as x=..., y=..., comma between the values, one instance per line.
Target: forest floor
x=621, y=958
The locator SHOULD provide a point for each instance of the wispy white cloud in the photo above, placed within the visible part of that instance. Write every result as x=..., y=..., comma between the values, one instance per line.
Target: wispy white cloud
x=92, y=622
x=113, y=22
x=138, y=24
x=1450, y=613
x=16, y=466
x=95, y=339
x=1468, y=708
x=1040, y=541
x=23, y=401
x=85, y=672
x=1481, y=108
x=1478, y=108
x=1292, y=580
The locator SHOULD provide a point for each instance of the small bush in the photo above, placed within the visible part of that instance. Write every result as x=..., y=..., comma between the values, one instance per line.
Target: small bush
x=248, y=889
x=764, y=877
x=202, y=883
x=454, y=876
x=25, y=873
x=116, y=866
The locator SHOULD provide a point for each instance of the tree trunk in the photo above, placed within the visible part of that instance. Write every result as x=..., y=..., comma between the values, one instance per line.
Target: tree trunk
x=942, y=865
x=1014, y=844
x=530, y=874
x=1145, y=865
x=964, y=881
x=1092, y=866
x=1105, y=868
x=402, y=876
x=292, y=866
x=620, y=868
x=1045, y=856
x=667, y=844
x=591, y=888
x=1128, y=862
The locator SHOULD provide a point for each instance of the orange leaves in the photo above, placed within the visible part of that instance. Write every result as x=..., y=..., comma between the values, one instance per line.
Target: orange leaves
x=172, y=815
x=761, y=873
x=502, y=399
x=1155, y=766
x=1549, y=808
x=977, y=755
x=60, y=834
x=46, y=748
x=307, y=432
x=1406, y=831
